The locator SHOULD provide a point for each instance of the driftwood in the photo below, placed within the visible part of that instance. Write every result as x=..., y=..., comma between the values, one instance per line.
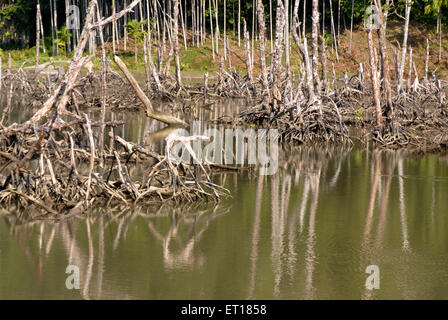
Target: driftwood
x=61, y=180
x=150, y=112
x=50, y=162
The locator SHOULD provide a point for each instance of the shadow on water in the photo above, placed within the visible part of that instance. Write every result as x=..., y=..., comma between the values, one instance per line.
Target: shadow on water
x=309, y=231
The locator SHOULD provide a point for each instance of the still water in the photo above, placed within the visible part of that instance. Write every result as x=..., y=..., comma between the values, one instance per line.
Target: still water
x=307, y=232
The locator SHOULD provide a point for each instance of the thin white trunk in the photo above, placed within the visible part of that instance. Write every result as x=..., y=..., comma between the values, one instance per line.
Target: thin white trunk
x=215, y=3
x=239, y=23
x=315, y=45
x=339, y=20
x=113, y=28
x=42, y=34
x=67, y=4
x=333, y=31
x=211, y=28
x=304, y=18
x=270, y=25
x=262, y=34
x=404, y=44
x=184, y=29
x=440, y=36
x=0, y=79
x=287, y=62
x=55, y=16
x=247, y=57
x=427, y=59
x=176, y=42
x=52, y=27
x=351, y=28
x=304, y=51
x=126, y=29
x=225, y=30
x=37, y=35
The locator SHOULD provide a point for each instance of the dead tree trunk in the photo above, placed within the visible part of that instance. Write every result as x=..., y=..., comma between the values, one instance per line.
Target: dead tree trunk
x=176, y=42
x=427, y=59
x=262, y=35
x=279, y=34
x=239, y=23
x=351, y=28
x=287, y=45
x=113, y=28
x=278, y=51
x=247, y=55
x=103, y=83
x=225, y=30
x=55, y=16
x=42, y=32
x=315, y=44
x=333, y=31
x=37, y=34
x=384, y=60
x=150, y=112
x=0, y=79
x=215, y=3
x=304, y=51
x=125, y=29
x=146, y=57
x=404, y=44
x=184, y=29
x=409, y=69
x=324, y=63
x=440, y=35
x=374, y=78
x=66, y=85
x=67, y=32
x=52, y=27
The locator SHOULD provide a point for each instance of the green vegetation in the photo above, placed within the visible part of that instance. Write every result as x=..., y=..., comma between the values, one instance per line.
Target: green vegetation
x=17, y=18
x=17, y=15
x=137, y=32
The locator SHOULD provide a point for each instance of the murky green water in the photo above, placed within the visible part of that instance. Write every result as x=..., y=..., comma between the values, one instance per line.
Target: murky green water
x=307, y=232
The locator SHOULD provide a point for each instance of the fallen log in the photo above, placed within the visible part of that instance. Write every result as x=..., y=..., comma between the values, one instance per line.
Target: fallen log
x=150, y=112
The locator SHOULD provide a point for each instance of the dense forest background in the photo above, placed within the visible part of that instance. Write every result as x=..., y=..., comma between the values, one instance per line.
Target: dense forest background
x=18, y=27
